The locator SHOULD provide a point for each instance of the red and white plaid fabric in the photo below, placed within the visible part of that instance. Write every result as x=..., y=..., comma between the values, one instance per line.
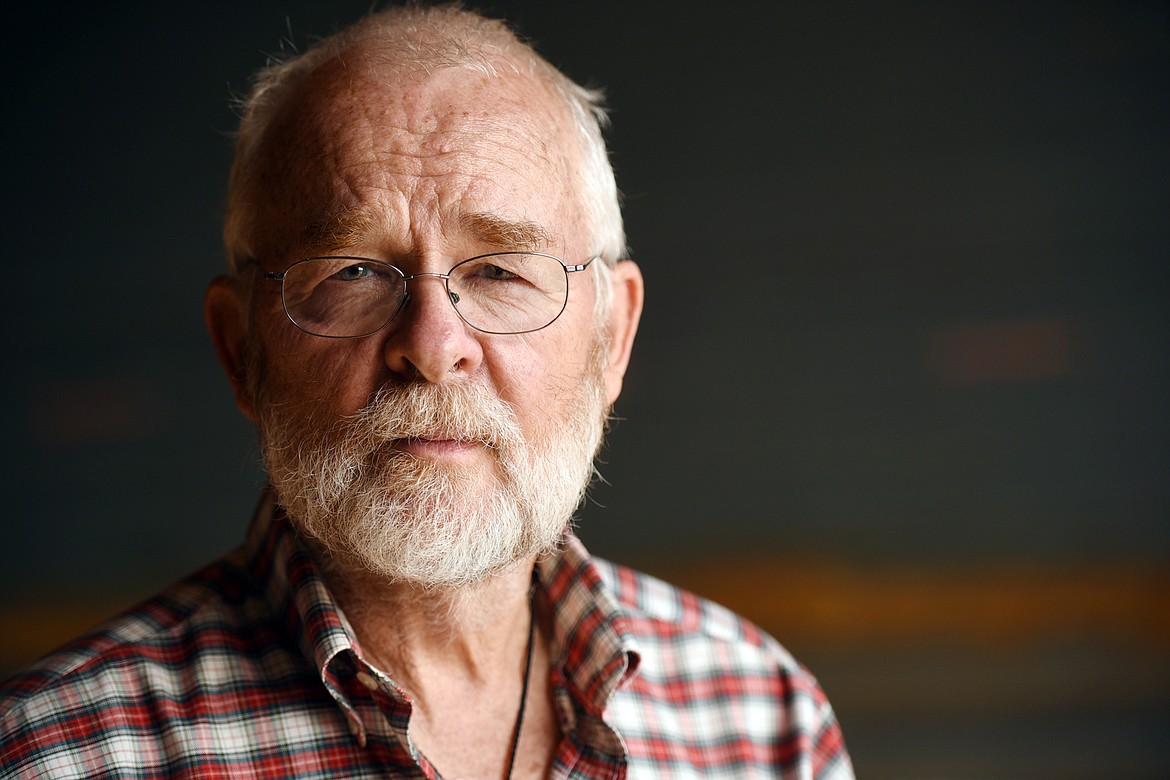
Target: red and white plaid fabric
x=248, y=669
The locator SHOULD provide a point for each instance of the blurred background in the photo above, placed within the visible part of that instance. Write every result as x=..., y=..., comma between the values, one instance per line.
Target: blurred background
x=901, y=389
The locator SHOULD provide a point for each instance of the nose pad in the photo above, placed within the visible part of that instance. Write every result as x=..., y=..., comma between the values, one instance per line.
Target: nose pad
x=401, y=306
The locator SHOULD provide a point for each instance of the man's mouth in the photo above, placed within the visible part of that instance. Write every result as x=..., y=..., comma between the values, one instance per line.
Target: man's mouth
x=437, y=446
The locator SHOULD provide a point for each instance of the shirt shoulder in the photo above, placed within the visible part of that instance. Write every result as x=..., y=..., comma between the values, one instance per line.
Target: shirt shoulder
x=715, y=694
x=146, y=628
x=111, y=697
x=664, y=615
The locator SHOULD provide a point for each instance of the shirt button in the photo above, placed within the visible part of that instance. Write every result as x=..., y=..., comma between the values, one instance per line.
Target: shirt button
x=355, y=728
x=367, y=681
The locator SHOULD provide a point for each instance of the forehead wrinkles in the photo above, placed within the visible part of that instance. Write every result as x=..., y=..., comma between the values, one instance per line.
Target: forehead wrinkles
x=475, y=124
x=443, y=177
x=435, y=140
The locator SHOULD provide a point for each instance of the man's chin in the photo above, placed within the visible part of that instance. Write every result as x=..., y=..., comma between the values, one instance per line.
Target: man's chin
x=399, y=570
x=449, y=528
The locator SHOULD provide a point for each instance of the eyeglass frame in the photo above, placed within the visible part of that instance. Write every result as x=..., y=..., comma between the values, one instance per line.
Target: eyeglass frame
x=279, y=276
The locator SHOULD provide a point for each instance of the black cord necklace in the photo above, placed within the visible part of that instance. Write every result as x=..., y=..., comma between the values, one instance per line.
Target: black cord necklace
x=523, y=693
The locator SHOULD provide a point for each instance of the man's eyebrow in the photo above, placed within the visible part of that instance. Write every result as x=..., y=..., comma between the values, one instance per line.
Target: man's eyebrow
x=496, y=231
x=335, y=231
x=344, y=227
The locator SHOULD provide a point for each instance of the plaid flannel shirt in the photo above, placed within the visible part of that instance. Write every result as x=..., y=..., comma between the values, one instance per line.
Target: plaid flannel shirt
x=249, y=669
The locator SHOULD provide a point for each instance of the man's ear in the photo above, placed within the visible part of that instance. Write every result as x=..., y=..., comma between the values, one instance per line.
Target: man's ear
x=225, y=313
x=624, y=314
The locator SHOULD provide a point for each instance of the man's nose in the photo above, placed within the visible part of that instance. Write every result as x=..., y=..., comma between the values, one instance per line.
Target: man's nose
x=428, y=339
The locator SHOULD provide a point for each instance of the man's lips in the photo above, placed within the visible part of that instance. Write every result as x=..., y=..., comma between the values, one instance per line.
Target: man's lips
x=436, y=447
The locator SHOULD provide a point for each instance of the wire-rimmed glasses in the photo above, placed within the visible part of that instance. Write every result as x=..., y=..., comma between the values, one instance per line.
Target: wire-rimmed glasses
x=498, y=293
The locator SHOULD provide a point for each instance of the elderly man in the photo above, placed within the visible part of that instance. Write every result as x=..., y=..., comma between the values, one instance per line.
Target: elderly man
x=428, y=318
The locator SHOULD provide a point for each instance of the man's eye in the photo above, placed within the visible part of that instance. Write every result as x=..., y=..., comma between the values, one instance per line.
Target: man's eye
x=352, y=273
x=495, y=272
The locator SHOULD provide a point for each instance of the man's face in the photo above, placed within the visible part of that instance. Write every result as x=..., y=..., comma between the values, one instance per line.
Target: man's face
x=422, y=172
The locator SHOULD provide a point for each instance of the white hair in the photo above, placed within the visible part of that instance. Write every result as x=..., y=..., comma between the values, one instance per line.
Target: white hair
x=429, y=38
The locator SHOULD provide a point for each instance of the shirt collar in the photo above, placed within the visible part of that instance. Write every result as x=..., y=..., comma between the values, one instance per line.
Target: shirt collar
x=294, y=587
x=593, y=644
x=592, y=640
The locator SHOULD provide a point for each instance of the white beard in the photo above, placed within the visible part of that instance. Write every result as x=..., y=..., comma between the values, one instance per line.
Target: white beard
x=432, y=524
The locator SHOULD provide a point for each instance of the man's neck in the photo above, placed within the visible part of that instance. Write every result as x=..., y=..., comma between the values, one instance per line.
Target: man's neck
x=406, y=630
x=461, y=656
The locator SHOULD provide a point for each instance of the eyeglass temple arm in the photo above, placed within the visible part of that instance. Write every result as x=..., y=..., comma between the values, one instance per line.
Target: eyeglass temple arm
x=571, y=268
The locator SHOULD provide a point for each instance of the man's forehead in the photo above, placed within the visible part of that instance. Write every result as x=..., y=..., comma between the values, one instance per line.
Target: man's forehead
x=490, y=147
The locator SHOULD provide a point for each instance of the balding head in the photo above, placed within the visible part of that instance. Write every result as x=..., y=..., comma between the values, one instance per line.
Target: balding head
x=394, y=47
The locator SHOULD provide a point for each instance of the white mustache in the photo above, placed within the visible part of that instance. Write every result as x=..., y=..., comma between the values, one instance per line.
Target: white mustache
x=457, y=411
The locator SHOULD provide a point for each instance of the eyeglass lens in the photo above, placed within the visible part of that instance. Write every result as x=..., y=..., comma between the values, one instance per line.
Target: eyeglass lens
x=499, y=293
